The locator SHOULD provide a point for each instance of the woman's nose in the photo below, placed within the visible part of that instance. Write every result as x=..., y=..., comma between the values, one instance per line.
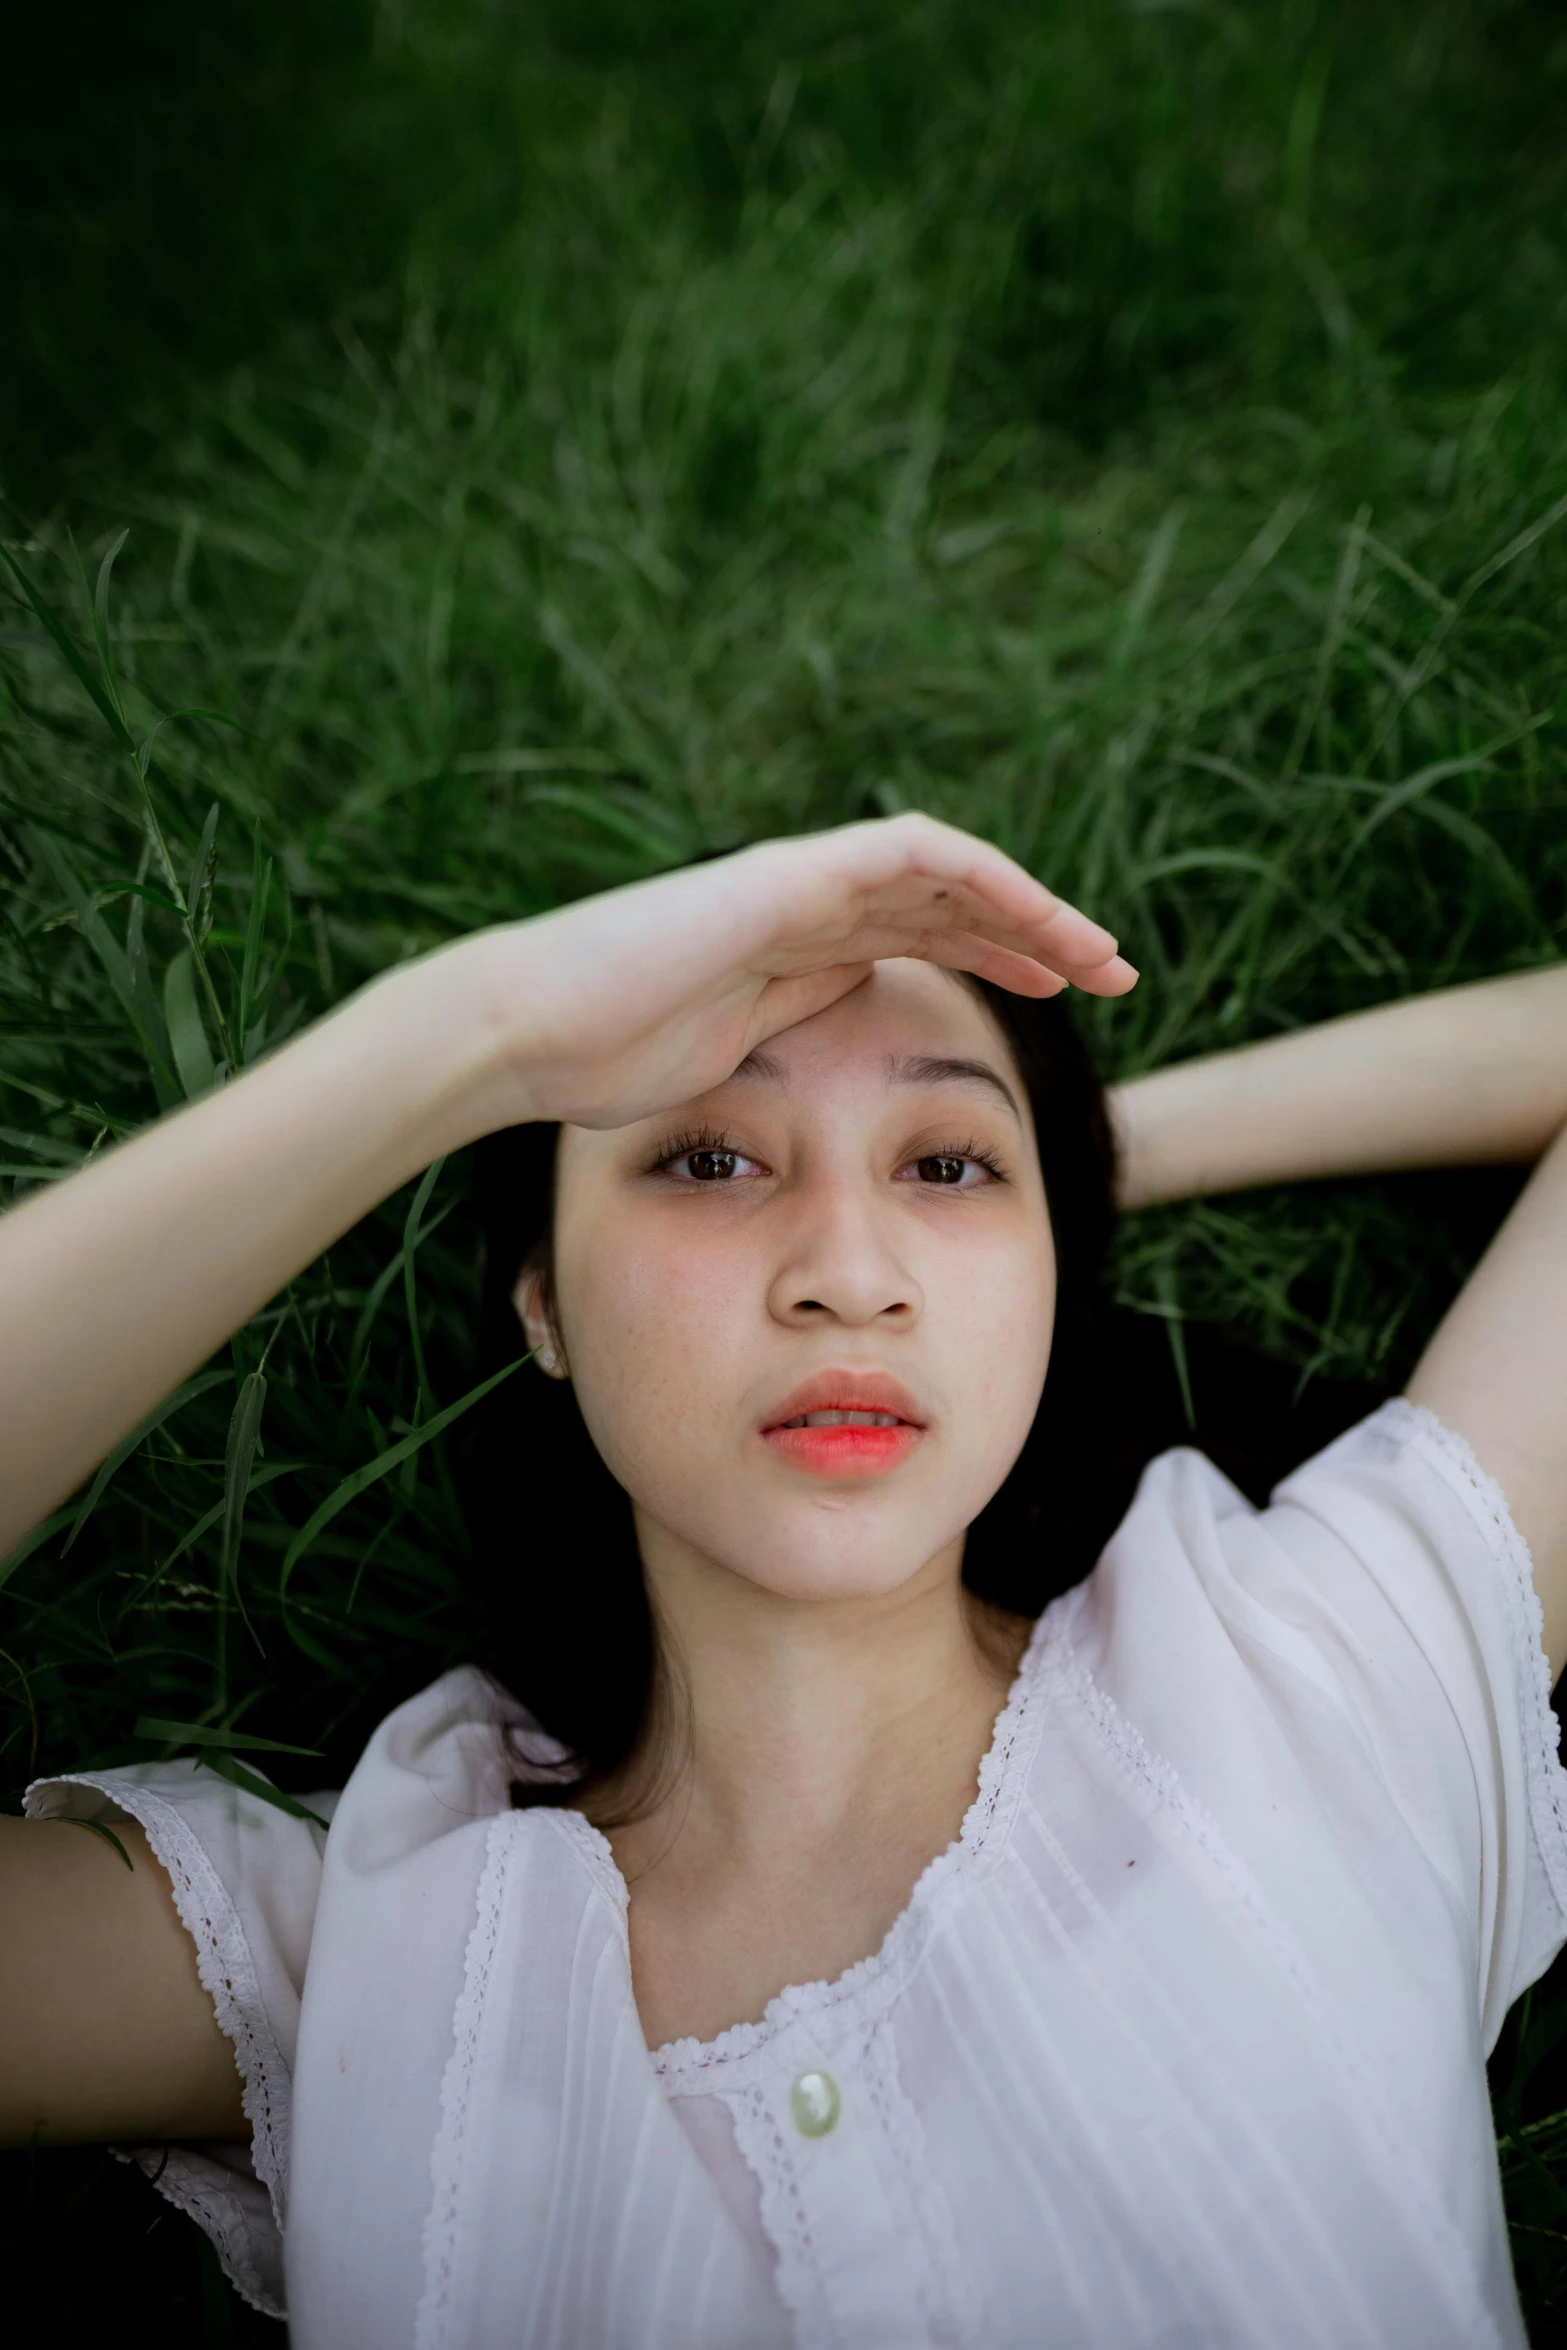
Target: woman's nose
x=840, y=1262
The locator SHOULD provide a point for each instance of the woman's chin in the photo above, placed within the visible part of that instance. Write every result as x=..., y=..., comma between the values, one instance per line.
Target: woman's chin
x=837, y=1579
x=828, y=1549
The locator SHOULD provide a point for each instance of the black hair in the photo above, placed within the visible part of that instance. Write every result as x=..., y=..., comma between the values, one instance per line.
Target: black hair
x=562, y=1618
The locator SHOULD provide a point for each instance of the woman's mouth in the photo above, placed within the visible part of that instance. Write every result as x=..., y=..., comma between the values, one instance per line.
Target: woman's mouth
x=848, y=1439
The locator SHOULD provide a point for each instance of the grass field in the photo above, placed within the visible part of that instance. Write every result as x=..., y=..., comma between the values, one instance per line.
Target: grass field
x=1138, y=433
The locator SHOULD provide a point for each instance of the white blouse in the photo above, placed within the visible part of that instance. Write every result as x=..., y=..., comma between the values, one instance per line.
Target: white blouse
x=1180, y=2045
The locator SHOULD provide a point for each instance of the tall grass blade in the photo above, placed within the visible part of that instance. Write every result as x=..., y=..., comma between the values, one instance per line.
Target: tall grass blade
x=66, y=647
x=201, y=1385
x=145, y=1022
x=198, y=892
x=243, y=1437
x=225, y=1766
x=152, y=1726
x=360, y=1480
x=187, y=1037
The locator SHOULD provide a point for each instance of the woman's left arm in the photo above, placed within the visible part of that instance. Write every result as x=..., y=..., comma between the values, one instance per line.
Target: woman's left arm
x=1462, y=1077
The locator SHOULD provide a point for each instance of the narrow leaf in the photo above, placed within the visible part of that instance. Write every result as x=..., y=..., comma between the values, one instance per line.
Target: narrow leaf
x=42, y=1146
x=100, y=601
x=144, y=748
x=360, y=1479
x=31, y=1542
x=94, y=929
x=372, y=1306
x=198, y=896
x=142, y=1015
x=65, y=644
x=209, y=1518
x=261, y=996
x=98, y=1828
x=382, y=1283
x=250, y=1783
x=149, y=1012
x=421, y=1201
x=244, y=1431
x=154, y=1727
x=97, y=600
x=142, y=889
x=652, y=834
x=144, y=1428
x=255, y=932
x=1175, y=1331
x=187, y=1037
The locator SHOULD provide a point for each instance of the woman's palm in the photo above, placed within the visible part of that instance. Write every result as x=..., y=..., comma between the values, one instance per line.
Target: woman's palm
x=650, y=995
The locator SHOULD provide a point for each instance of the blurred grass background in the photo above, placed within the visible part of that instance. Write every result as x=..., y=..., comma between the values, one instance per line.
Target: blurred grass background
x=559, y=440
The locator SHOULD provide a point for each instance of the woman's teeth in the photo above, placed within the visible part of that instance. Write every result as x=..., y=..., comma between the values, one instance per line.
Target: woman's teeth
x=845, y=1420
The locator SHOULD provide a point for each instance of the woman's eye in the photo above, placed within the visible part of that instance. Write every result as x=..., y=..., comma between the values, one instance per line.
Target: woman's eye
x=710, y=1166
x=951, y=1171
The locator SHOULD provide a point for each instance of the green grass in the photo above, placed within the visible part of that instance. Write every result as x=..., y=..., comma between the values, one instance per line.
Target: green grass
x=1136, y=434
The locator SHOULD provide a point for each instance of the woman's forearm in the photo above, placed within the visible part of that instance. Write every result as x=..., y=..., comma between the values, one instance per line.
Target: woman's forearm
x=1464, y=1076
x=118, y=1282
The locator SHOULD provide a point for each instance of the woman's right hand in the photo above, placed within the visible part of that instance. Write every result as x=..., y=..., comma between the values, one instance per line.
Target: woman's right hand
x=618, y=1007
x=119, y=1282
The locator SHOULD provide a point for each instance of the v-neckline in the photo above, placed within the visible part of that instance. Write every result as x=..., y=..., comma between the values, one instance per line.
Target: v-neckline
x=874, y=1979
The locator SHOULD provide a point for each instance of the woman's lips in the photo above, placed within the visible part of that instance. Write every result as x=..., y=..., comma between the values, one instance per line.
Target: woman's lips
x=843, y=1440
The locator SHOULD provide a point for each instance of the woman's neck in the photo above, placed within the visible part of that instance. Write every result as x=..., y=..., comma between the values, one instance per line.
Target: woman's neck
x=808, y=1759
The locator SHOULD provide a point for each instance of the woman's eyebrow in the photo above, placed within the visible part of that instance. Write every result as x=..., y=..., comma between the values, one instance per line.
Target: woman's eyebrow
x=761, y=1063
x=915, y=1069
x=932, y=1069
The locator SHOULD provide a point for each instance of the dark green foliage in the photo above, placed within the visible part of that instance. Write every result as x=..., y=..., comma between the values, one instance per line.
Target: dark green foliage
x=1135, y=433
x=96, y=2255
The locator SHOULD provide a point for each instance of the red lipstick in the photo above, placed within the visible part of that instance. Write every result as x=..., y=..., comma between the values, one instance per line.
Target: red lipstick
x=845, y=1424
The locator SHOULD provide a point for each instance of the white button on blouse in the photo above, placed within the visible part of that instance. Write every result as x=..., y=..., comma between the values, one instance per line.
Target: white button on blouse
x=1180, y=2045
x=815, y=2104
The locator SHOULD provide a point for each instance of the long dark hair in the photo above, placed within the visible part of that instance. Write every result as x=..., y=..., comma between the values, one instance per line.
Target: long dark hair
x=561, y=1612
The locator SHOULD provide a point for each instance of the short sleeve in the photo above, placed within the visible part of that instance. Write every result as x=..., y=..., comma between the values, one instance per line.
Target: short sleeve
x=1423, y=1606
x=245, y=1877
x=1350, y=1685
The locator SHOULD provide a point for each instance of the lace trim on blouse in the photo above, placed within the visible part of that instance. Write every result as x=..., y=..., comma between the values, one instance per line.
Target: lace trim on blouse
x=436, y=2323
x=1452, y=1457
x=865, y=1990
x=190, y=2181
x=949, y=2301
x=797, y=2276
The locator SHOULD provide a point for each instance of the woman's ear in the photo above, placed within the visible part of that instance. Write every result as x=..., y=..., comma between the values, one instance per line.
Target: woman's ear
x=531, y=1297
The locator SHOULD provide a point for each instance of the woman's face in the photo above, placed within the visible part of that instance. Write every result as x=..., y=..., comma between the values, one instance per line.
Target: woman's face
x=854, y=1222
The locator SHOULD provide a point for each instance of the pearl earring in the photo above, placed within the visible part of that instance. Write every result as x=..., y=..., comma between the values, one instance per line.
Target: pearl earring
x=546, y=1358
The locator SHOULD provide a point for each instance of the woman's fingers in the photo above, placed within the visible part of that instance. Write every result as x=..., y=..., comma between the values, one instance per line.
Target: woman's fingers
x=899, y=886
x=784, y=1003
x=978, y=888
x=962, y=951
x=926, y=932
x=1073, y=939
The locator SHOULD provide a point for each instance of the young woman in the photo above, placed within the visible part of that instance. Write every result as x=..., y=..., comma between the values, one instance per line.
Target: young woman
x=853, y=1962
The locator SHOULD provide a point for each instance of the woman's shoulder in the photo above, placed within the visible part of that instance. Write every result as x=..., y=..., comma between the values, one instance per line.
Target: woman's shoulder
x=1392, y=1519
x=1377, y=1602
x=450, y=1753
x=1369, y=1632
x=448, y=1756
